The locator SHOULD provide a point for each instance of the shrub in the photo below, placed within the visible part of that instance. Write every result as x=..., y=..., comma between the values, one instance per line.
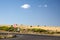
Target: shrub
x=4, y=28
x=28, y=29
x=38, y=30
x=58, y=32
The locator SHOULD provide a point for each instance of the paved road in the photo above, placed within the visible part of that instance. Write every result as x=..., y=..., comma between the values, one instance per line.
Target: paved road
x=33, y=37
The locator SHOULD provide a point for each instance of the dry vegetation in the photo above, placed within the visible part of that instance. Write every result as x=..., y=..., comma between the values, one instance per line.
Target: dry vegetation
x=32, y=29
x=53, y=28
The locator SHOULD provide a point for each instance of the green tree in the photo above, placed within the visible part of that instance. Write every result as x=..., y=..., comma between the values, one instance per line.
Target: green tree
x=11, y=28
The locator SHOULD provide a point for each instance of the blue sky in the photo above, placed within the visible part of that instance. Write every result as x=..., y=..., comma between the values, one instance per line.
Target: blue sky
x=30, y=12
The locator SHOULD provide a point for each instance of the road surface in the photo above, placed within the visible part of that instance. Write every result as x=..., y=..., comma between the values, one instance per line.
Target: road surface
x=33, y=37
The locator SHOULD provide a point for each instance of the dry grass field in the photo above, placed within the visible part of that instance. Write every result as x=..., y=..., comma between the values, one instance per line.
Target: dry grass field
x=53, y=28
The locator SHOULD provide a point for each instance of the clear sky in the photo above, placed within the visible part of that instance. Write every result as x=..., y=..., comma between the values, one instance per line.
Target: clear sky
x=30, y=12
